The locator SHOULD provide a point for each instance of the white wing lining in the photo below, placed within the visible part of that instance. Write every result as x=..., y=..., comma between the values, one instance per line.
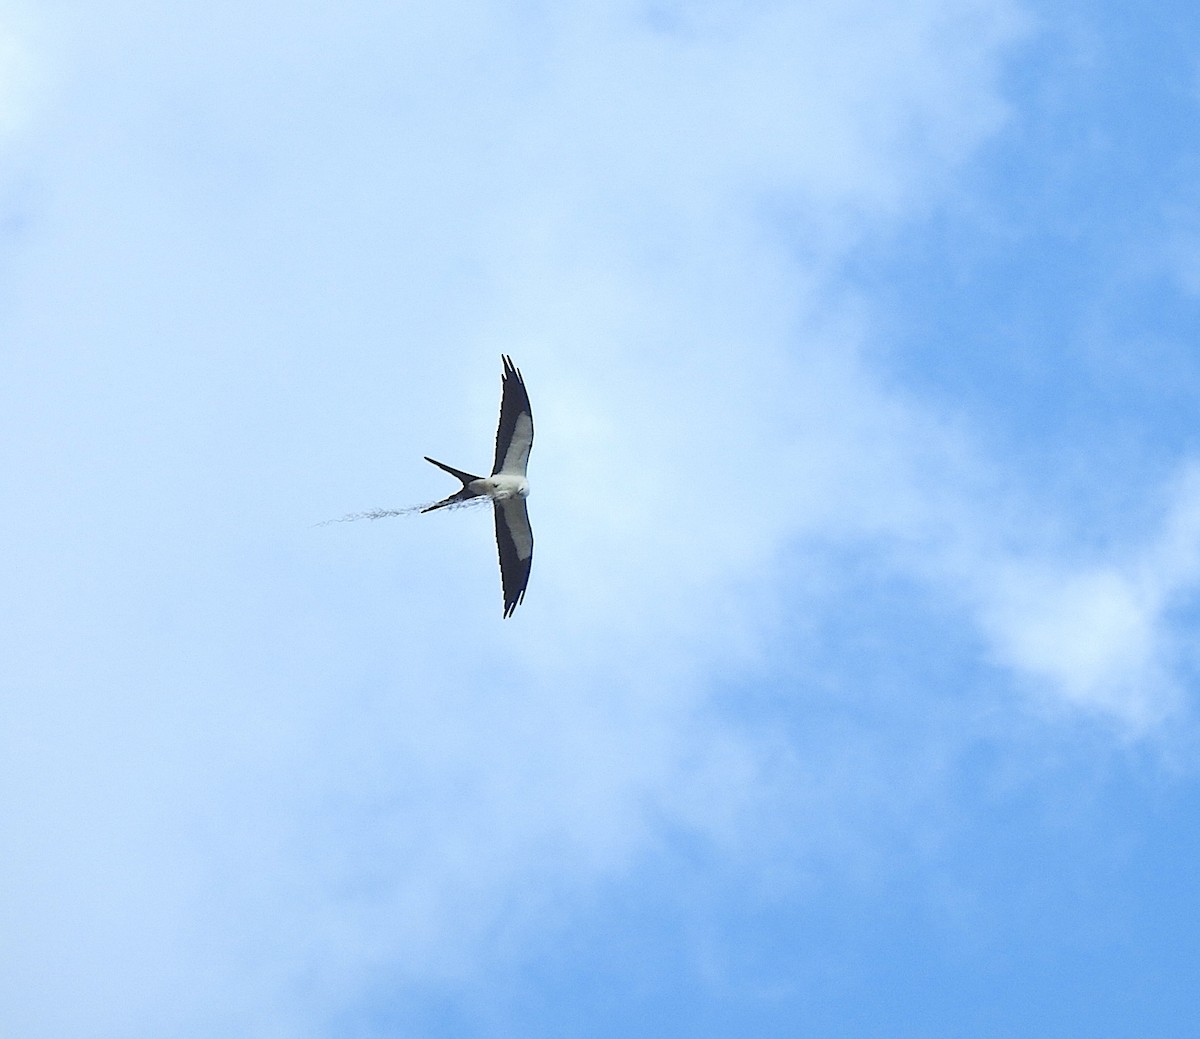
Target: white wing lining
x=514, y=542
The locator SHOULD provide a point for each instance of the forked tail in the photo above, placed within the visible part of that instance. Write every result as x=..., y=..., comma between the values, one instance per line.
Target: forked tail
x=458, y=496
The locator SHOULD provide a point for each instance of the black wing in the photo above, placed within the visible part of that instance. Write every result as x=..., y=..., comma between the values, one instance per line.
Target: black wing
x=514, y=539
x=514, y=436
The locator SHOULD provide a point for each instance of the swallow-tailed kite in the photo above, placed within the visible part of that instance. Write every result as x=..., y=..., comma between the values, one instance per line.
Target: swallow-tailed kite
x=507, y=486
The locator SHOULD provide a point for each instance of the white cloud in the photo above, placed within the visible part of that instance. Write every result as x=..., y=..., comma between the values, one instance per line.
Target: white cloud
x=1100, y=634
x=17, y=69
x=1089, y=633
x=366, y=775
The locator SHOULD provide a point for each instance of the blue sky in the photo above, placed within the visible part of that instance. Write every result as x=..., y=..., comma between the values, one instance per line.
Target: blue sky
x=855, y=689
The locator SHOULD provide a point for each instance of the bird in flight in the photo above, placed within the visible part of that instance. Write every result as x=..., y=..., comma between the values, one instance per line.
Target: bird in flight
x=507, y=486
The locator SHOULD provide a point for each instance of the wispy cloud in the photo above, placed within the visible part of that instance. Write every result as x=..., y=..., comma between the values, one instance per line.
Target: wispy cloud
x=16, y=76
x=324, y=758
x=1102, y=634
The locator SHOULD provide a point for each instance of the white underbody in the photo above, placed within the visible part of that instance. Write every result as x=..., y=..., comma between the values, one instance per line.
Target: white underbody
x=501, y=486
